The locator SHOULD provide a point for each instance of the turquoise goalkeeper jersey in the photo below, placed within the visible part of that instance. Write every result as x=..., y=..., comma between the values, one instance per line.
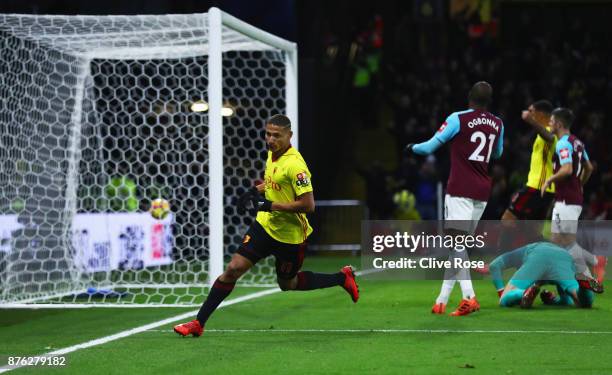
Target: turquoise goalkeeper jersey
x=536, y=261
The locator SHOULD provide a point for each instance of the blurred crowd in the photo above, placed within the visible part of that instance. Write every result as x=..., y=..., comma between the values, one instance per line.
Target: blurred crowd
x=424, y=79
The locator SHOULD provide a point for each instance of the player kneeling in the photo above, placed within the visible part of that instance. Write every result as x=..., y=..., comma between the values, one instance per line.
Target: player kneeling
x=536, y=262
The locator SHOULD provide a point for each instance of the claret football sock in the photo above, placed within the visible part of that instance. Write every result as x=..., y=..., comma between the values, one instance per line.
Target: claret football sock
x=218, y=293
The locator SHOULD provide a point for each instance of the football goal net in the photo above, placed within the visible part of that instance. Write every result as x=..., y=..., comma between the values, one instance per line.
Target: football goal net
x=99, y=116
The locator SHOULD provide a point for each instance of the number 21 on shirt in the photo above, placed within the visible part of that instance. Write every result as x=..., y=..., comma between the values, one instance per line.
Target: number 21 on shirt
x=480, y=139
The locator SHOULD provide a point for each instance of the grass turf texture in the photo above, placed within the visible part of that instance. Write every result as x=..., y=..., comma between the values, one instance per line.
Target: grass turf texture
x=383, y=305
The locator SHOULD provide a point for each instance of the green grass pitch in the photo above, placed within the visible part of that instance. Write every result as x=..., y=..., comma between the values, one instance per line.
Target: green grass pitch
x=324, y=332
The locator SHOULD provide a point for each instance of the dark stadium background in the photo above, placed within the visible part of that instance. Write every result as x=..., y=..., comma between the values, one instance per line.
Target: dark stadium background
x=375, y=75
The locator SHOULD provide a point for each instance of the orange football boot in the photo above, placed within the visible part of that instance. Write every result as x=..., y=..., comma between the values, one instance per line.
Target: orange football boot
x=467, y=306
x=194, y=328
x=438, y=308
x=350, y=285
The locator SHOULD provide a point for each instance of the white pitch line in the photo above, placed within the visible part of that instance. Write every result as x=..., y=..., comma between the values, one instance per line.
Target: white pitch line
x=393, y=331
x=146, y=327
x=368, y=271
x=152, y=326
x=82, y=306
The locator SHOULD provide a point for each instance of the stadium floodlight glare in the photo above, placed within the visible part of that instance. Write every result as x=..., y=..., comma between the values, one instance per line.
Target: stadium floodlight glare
x=77, y=92
x=202, y=106
x=227, y=111
x=199, y=106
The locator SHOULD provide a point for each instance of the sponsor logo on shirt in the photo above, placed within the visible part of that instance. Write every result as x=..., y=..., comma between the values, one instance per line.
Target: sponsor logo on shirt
x=564, y=153
x=271, y=184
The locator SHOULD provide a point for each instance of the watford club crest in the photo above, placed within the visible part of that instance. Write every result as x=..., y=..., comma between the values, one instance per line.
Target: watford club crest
x=302, y=179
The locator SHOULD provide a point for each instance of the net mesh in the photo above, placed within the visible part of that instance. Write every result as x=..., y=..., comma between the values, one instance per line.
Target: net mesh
x=96, y=121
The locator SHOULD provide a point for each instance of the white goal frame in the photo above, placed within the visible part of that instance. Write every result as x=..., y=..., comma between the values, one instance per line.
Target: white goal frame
x=216, y=20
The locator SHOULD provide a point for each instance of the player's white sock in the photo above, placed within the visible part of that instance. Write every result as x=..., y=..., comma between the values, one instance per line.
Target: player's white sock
x=466, y=288
x=445, y=291
x=583, y=259
x=464, y=277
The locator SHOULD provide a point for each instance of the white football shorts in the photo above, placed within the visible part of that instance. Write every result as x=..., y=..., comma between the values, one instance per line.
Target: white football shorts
x=565, y=218
x=462, y=213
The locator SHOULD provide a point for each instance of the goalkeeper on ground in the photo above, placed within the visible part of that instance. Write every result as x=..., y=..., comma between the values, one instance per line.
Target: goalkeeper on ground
x=539, y=263
x=280, y=229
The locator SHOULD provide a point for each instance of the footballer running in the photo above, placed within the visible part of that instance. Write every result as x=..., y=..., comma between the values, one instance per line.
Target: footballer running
x=280, y=229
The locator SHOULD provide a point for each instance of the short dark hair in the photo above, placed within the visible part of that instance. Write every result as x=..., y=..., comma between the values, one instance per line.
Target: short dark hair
x=543, y=106
x=279, y=120
x=565, y=116
x=481, y=94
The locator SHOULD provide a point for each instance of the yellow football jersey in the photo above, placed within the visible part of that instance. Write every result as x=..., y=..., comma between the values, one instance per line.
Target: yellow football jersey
x=286, y=178
x=541, y=167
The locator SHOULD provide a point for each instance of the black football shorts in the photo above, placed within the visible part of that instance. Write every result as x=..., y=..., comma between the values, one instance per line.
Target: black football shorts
x=257, y=244
x=528, y=204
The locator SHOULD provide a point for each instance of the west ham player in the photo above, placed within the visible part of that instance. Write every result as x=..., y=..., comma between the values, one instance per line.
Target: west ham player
x=280, y=229
x=572, y=170
x=476, y=136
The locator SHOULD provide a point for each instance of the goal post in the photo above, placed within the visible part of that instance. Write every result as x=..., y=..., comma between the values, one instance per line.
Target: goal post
x=215, y=144
x=100, y=115
x=216, y=20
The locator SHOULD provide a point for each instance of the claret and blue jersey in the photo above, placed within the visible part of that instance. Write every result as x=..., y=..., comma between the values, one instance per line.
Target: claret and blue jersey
x=476, y=136
x=569, y=149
